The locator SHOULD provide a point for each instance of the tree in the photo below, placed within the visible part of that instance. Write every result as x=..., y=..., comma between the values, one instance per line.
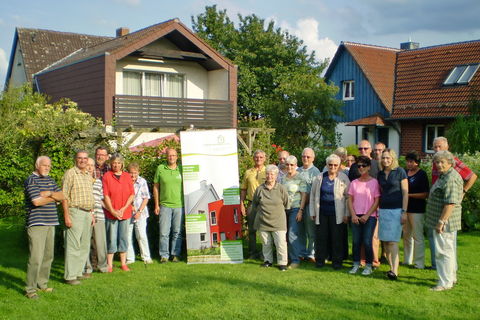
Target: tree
x=277, y=79
x=33, y=127
x=464, y=134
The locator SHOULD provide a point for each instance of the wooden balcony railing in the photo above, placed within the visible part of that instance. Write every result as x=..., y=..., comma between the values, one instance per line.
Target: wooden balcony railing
x=156, y=112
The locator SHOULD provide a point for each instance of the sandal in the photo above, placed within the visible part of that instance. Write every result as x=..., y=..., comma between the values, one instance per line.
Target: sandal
x=31, y=295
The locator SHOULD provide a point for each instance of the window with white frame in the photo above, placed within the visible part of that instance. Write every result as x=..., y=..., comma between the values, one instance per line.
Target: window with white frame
x=235, y=216
x=348, y=90
x=153, y=84
x=461, y=74
x=215, y=238
x=431, y=132
x=213, y=218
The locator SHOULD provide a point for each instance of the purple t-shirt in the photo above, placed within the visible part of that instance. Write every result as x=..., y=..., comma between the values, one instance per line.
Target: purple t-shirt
x=364, y=194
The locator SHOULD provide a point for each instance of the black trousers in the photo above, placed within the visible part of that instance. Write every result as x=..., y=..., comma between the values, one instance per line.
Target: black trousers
x=329, y=240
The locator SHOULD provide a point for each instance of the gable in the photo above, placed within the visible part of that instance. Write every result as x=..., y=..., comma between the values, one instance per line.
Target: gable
x=420, y=91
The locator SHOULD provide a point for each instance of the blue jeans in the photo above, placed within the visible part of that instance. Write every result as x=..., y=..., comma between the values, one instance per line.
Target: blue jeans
x=170, y=223
x=117, y=235
x=362, y=233
x=296, y=235
x=308, y=239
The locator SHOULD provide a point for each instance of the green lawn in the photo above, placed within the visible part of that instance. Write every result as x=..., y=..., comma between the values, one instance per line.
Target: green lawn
x=241, y=291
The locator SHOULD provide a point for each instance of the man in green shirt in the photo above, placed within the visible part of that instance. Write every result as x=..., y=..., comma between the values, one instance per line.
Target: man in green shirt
x=168, y=197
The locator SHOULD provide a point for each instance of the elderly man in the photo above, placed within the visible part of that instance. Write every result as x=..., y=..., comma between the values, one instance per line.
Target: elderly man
x=78, y=214
x=41, y=195
x=252, y=178
x=468, y=176
x=168, y=197
x=101, y=166
x=282, y=168
x=378, y=150
x=307, y=231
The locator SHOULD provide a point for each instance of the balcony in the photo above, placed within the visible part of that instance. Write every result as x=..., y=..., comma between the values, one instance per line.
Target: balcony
x=158, y=112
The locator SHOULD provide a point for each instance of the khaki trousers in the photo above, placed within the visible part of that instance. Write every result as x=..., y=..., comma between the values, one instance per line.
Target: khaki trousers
x=280, y=240
x=77, y=243
x=41, y=244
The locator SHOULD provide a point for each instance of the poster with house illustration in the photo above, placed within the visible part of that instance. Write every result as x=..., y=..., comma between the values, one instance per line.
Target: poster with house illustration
x=213, y=221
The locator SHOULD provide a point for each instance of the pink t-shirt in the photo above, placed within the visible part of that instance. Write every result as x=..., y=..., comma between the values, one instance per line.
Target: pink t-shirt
x=364, y=194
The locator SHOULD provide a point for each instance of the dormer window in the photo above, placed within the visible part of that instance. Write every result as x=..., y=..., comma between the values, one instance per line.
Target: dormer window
x=461, y=74
x=348, y=90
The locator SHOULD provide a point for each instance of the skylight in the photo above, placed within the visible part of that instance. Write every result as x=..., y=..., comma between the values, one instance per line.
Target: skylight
x=461, y=74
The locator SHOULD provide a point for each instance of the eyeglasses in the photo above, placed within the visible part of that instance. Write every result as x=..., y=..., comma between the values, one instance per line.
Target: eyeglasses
x=362, y=165
x=363, y=148
x=333, y=165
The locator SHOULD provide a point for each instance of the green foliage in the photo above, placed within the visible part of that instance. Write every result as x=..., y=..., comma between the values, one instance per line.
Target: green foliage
x=32, y=127
x=277, y=79
x=464, y=134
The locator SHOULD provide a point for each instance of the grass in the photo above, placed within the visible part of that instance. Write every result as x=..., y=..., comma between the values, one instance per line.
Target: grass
x=240, y=291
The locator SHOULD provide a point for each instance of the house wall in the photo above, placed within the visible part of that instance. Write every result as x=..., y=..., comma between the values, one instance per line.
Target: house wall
x=366, y=101
x=413, y=134
x=218, y=84
x=82, y=82
x=348, y=136
x=18, y=76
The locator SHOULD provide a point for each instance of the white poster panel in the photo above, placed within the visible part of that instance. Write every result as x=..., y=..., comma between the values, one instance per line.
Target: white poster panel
x=211, y=189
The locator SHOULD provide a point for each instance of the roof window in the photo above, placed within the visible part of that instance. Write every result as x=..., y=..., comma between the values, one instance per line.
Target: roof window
x=461, y=74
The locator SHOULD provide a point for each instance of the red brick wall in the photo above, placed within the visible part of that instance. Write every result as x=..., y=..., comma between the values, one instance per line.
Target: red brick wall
x=413, y=135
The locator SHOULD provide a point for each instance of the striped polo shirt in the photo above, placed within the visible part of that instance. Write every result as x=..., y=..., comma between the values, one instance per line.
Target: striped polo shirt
x=45, y=215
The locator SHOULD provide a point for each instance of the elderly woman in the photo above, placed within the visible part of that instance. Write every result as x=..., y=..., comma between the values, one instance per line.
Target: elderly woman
x=393, y=207
x=328, y=208
x=296, y=186
x=118, y=196
x=444, y=215
x=413, y=239
x=364, y=194
x=269, y=202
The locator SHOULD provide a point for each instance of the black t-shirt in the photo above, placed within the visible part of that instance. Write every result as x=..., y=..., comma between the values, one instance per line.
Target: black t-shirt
x=417, y=183
x=391, y=188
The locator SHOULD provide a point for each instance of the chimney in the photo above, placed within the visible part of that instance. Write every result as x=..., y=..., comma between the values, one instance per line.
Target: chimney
x=122, y=32
x=410, y=45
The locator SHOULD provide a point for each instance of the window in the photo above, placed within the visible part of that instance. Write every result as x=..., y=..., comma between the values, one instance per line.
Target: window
x=215, y=238
x=431, y=132
x=223, y=237
x=213, y=218
x=382, y=135
x=348, y=90
x=461, y=74
x=153, y=84
x=235, y=216
x=202, y=237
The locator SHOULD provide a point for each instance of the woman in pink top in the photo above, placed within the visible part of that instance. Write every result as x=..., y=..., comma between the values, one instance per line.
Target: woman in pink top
x=363, y=202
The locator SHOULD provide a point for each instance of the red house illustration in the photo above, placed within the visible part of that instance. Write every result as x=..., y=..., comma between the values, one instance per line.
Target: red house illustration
x=225, y=222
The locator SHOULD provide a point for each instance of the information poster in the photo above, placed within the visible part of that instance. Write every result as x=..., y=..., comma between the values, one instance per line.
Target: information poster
x=213, y=221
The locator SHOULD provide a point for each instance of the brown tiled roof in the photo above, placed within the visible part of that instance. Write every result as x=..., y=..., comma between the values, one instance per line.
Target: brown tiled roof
x=378, y=65
x=420, y=74
x=40, y=48
x=373, y=120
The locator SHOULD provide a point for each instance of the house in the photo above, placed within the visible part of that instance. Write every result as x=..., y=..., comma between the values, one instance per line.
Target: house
x=433, y=86
x=220, y=222
x=403, y=97
x=365, y=77
x=160, y=77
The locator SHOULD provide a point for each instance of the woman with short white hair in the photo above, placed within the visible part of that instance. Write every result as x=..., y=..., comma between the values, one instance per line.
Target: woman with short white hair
x=269, y=203
x=328, y=208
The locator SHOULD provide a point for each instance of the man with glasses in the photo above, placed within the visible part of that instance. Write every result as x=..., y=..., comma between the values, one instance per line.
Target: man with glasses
x=309, y=172
x=252, y=178
x=282, y=169
x=378, y=150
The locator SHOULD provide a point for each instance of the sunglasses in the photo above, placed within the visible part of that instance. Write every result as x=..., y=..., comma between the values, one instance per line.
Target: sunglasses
x=362, y=165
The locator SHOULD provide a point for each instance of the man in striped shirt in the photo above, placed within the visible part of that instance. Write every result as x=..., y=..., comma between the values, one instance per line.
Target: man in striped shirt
x=78, y=214
x=41, y=195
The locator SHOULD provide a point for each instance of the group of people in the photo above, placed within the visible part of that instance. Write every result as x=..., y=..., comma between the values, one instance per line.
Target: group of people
x=305, y=213
x=302, y=211
x=104, y=204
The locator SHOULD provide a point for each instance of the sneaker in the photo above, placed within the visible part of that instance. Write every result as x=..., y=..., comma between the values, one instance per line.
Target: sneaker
x=175, y=259
x=163, y=260
x=282, y=268
x=31, y=295
x=125, y=267
x=148, y=261
x=73, y=282
x=266, y=264
x=440, y=288
x=367, y=271
x=354, y=269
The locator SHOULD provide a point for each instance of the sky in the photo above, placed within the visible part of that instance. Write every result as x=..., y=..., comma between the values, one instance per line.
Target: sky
x=321, y=24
